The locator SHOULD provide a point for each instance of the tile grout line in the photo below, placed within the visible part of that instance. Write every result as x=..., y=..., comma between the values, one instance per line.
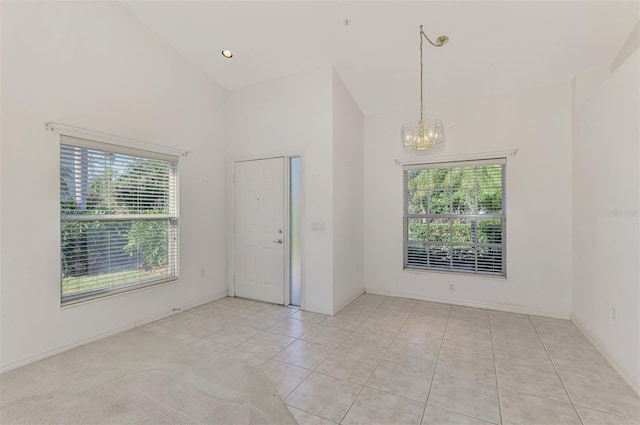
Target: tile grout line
x=618, y=415
x=310, y=370
x=561, y=350
x=184, y=329
x=300, y=383
x=314, y=370
x=309, y=413
x=495, y=367
x=272, y=333
x=261, y=331
x=468, y=379
x=374, y=369
x=379, y=360
x=371, y=374
x=435, y=366
x=556, y=370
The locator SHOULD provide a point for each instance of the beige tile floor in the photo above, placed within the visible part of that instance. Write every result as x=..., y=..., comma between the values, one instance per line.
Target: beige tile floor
x=388, y=360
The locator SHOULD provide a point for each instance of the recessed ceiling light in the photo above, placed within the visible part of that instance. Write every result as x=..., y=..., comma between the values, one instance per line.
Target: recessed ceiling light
x=227, y=53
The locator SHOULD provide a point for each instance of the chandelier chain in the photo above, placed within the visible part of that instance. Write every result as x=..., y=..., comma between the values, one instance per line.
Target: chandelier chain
x=421, y=71
x=439, y=42
x=422, y=135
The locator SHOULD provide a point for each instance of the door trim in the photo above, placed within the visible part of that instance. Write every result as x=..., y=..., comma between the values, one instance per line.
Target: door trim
x=231, y=242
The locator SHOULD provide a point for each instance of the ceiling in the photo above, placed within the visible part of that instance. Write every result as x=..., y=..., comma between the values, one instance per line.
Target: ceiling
x=495, y=46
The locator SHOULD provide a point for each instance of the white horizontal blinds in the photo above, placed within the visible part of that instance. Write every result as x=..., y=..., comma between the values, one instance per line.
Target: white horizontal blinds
x=118, y=218
x=110, y=147
x=454, y=216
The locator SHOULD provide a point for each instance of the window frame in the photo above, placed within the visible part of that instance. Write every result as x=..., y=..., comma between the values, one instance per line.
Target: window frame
x=452, y=163
x=122, y=146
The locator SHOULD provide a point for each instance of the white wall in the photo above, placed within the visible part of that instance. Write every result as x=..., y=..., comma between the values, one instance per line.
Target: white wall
x=348, y=193
x=606, y=224
x=538, y=201
x=91, y=64
x=292, y=115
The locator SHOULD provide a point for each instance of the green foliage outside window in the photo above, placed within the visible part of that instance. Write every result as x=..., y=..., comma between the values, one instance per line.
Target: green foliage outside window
x=91, y=248
x=148, y=240
x=454, y=217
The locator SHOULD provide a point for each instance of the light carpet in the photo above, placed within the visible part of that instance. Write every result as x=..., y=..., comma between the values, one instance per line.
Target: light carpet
x=139, y=378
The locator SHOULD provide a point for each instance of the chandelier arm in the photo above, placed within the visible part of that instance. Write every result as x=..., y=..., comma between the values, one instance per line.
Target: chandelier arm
x=438, y=43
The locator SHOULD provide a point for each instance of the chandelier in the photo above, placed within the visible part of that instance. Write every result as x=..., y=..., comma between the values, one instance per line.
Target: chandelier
x=423, y=134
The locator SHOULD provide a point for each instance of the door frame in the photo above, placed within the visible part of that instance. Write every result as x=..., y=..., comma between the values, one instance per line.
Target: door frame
x=231, y=206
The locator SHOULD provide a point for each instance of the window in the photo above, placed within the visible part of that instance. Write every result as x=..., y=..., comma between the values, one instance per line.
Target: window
x=454, y=217
x=118, y=219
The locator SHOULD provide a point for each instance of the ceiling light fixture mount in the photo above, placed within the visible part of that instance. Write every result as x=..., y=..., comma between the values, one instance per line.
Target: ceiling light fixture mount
x=227, y=53
x=423, y=134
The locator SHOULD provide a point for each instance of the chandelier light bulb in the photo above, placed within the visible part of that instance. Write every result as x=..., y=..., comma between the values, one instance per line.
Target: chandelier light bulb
x=422, y=134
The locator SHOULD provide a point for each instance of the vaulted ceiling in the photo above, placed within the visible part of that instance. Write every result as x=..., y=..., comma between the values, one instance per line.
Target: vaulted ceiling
x=495, y=46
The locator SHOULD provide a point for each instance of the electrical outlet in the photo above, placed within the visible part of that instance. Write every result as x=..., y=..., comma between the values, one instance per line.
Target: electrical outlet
x=614, y=314
x=452, y=287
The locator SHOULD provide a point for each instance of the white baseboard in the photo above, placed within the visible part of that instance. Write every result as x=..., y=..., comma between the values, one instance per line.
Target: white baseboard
x=318, y=309
x=218, y=295
x=478, y=304
x=61, y=349
x=66, y=347
x=622, y=371
x=349, y=300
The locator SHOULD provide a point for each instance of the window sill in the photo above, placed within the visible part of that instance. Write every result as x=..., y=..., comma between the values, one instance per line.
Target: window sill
x=418, y=270
x=91, y=299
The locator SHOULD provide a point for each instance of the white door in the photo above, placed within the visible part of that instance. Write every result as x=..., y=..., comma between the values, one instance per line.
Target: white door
x=259, y=230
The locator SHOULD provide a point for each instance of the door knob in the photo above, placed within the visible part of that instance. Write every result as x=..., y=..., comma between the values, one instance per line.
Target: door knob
x=278, y=241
